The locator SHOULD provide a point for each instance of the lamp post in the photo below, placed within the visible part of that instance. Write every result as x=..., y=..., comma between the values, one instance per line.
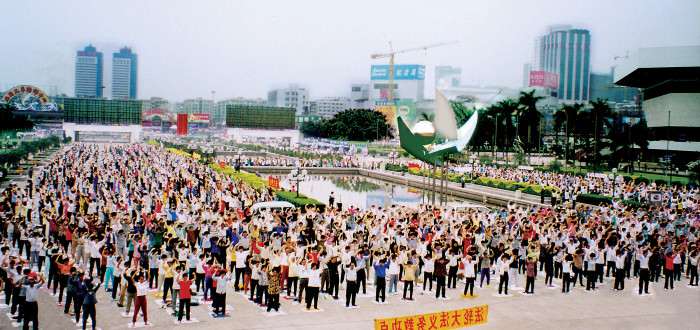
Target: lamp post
x=296, y=175
x=240, y=153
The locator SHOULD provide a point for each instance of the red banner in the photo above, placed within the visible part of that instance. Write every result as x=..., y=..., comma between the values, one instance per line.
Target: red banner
x=222, y=165
x=413, y=165
x=274, y=183
x=182, y=124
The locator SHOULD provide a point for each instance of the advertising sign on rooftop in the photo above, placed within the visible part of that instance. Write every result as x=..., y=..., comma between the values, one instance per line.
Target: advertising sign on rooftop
x=544, y=79
x=198, y=117
x=401, y=72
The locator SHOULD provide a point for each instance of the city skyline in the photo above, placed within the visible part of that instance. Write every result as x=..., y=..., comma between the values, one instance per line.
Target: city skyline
x=247, y=49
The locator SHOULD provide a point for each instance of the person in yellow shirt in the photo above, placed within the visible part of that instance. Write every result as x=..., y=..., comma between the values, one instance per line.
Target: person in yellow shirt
x=409, y=275
x=168, y=280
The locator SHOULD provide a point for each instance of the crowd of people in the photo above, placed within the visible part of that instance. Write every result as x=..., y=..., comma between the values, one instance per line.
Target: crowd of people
x=137, y=220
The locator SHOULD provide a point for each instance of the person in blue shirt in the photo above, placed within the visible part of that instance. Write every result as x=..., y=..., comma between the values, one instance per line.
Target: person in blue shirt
x=361, y=261
x=380, y=268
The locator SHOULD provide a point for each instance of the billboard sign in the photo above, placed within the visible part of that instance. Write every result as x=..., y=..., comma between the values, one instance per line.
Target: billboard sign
x=407, y=110
x=198, y=117
x=388, y=110
x=401, y=72
x=544, y=79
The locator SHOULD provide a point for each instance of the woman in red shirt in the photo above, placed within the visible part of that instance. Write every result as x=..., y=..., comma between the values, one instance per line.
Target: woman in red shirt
x=185, y=280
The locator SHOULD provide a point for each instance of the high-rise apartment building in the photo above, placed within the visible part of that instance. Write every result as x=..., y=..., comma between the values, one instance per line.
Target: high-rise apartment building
x=567, y=52
x=88, y=73
x=124, y=74
x=198, y=105
x=292, y=97
x=527, y=67
x=329, y=107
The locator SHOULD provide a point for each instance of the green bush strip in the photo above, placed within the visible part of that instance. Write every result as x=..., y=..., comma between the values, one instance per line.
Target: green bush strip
x=603, y=200
x=526, y=188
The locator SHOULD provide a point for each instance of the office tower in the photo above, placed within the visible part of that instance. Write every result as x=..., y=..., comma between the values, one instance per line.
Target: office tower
x=124, y=74
x=88, y=73
x=567, y=52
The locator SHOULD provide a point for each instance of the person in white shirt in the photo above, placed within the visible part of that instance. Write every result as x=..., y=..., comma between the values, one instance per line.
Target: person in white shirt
x=313, y=287
x=566, y=271
x=643, y=270
x=620, y=270
x=502, y=266
x=141, y=303
x=221, y=278
x=428, y=269
x=469, y=274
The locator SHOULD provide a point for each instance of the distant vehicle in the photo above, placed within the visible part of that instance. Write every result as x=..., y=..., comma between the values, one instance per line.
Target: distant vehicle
x=467, y=206
x=271, y=206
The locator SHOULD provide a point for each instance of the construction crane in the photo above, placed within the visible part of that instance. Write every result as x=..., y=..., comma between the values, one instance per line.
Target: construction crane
x=391, y=54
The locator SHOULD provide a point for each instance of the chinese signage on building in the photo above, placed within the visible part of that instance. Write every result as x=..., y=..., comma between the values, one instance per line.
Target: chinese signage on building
x=401, y=72
x=438, y=321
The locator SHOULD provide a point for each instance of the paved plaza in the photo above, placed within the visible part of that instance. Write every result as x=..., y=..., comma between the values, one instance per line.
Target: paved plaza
x=547, y=308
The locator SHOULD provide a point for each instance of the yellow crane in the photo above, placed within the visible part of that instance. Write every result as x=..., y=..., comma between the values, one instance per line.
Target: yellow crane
x=391, y=54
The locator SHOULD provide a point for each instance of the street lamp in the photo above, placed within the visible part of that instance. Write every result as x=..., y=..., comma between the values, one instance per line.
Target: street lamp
x=297, y=176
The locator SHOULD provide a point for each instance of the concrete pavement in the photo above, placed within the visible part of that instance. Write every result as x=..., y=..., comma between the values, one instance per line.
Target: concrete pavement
x=547, y=308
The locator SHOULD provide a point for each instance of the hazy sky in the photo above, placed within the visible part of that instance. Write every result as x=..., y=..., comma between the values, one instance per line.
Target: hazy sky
x=188, y=48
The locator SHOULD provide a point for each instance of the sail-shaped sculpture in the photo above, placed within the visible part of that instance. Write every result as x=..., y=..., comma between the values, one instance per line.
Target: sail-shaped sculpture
x=445, y=122
x=446, y=125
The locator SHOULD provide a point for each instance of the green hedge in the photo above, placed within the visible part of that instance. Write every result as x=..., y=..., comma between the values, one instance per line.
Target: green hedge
x=302, y=200
x=605, y=200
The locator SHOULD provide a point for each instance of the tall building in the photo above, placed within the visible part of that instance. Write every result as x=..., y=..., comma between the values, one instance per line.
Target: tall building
x=124, y=74
x=88, y=73
x=198, y=105
x=567, y=52
x=329, y=107
x=359, y=96
x=292, y=97
x=409, y=82
x=527, y=67
x=602, y=87
x=447, y=77
x=156, y=103
x=670, y=80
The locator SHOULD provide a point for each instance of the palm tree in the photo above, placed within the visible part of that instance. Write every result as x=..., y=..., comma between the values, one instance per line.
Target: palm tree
x=567, y=117
x=530, y=116
x=505, y=110
x=600, y=110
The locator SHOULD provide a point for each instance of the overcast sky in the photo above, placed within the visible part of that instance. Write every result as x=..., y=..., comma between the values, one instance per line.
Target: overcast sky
x=188, y=48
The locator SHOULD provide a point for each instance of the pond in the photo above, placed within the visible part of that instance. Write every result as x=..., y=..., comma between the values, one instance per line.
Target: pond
x=357, y=191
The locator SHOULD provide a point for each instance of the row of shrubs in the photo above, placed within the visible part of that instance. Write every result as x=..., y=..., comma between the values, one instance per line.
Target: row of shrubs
x=526, y=188
x=13, y=156
x=603, y=200
x=301, y=201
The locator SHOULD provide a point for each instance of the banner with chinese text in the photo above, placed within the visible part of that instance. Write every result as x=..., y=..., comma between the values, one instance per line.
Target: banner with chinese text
x=438, y=321
x=274, y=183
